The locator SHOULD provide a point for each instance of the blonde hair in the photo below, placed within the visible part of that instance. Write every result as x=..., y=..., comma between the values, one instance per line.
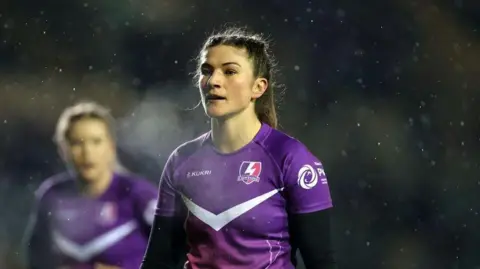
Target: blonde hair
x=82, y=110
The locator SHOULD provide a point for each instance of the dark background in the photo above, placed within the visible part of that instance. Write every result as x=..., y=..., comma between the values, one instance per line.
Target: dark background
x=383, y=92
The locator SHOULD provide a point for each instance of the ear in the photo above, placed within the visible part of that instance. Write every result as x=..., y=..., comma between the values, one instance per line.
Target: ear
x=114, y=148
x=259, y=87
x=113, y=144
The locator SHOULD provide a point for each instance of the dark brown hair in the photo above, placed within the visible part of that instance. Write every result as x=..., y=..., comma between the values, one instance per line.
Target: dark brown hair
x=263, y=62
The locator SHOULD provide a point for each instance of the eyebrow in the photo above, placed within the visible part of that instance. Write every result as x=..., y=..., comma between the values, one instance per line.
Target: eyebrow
x=224, y=64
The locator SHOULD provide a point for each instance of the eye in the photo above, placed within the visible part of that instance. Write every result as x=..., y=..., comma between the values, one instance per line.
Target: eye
x=206, y=70
x=230, y=72
x=75, y=142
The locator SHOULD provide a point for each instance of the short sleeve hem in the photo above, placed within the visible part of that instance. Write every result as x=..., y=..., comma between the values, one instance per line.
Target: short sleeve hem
x=164, y=213
x=312, y=208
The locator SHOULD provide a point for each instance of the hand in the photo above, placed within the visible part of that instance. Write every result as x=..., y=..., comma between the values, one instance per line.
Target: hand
x=104, y=266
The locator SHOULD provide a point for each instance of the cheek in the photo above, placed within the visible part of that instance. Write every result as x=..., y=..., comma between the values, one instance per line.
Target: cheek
x=240, y=90
x=202, y=82
x=73, y=153
x=108, y=153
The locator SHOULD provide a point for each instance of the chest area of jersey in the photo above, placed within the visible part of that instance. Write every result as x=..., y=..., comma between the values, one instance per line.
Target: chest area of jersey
x=226, y=186
x=79, y=223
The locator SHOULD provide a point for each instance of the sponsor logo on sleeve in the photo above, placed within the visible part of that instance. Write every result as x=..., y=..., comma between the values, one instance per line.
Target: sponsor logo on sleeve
x=149, y=213
x=308, y=176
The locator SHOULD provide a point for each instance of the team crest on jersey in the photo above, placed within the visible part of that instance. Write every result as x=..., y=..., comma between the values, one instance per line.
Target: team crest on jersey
x=108, y=213
x=250, y=172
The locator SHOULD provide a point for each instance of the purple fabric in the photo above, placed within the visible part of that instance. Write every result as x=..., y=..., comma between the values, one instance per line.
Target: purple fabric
x=112, y=229
x=236, y=204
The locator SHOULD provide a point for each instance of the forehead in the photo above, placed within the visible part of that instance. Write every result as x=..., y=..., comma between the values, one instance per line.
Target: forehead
x=88, y=125
x=222, y=54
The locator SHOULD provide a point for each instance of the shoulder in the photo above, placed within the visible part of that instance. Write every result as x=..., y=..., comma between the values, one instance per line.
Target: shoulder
x=53, y=184
x=283, y=148
x=187, y=149
x=135, y=184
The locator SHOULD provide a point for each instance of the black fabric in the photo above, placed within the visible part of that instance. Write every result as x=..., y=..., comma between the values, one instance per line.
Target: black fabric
x=37, y=243
x=310, y=233
x=167, y=246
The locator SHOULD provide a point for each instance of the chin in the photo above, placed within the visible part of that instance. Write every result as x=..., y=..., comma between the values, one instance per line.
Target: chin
x=88, y=176
x=215, y=112
x=216, y=115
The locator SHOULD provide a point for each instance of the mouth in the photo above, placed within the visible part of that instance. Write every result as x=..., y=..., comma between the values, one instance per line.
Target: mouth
x=87, y=166
x=213, y=97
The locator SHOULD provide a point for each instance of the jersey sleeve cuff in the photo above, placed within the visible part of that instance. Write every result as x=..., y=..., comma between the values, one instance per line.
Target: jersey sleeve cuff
x=164, y=213
x=312, y=208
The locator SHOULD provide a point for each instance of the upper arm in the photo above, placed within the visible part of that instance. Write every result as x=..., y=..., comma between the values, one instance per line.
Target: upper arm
x=310, y=232
x=32, y=227
x=167, y=204
x=305, y=182
x=37, y=236
x=308, y=197
x=37, y=220
x=166, y=245
x=146, y=200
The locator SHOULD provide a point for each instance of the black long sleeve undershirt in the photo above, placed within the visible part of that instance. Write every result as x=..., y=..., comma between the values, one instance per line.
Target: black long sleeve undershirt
x=310, y=233
x=167, y=246
x=37, y=242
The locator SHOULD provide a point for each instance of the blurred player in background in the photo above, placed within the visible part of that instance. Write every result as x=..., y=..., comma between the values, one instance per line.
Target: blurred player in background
x=247, y=195
x=95, y=215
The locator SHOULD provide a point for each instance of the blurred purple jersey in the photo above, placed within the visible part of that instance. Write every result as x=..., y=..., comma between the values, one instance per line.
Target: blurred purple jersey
x=236, y=205
x=112, y=229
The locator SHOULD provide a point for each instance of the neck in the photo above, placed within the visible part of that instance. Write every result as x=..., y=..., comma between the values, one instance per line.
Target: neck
x=96, y=187
x=230, y=135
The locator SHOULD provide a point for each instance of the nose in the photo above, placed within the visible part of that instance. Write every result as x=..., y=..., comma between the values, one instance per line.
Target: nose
x=215, y=80
x=86, y=151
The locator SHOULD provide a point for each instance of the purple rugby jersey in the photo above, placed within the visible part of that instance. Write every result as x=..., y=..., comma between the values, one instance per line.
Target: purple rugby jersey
x=111, y=229
x=236, y=204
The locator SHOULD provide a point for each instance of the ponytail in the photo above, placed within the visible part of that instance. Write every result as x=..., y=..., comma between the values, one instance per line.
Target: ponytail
x=265, y=109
